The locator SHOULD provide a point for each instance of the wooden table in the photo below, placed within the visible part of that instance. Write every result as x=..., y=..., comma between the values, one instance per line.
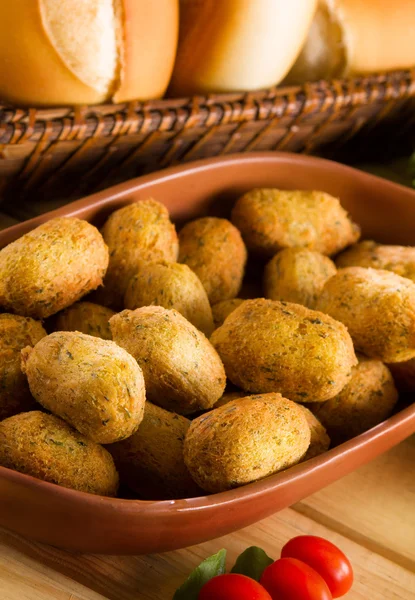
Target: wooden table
x=370, y=514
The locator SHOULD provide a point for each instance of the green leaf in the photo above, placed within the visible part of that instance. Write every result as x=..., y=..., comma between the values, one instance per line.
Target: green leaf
x=209, y=568
x=252, y=563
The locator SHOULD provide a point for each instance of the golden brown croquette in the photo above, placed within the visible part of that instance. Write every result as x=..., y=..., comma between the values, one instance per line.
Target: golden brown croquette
x=182, y=371
x=222, y=309
x=151, y=461
x=228, y=397
x=377, y=307
x=271, y=346
x=46, y=447
x=86, y=317
x=403, y=374
x=367, y=400
x=399, y=259
x=171, y=285
x=271, y=219
x=319, y=440
x=15, y=334
x=93, y=384
x=51, y=267
x=297, y=275
x=245, y=440
x=138, y=232
x=214, y=250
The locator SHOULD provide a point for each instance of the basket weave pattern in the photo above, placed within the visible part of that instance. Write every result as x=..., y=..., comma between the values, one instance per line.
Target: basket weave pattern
x=72, y=152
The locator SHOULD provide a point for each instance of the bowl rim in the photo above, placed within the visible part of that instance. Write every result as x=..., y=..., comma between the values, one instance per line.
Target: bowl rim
x=404, y=418
x=106, y=196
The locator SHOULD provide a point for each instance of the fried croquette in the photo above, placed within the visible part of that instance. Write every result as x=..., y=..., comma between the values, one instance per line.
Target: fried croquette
x=151, y=461
x=141, y=231
x=171, y=285
x=297, y=275
x=183, y=372
x=93, y=384
x=51, y=267
x=377, y=307
x=271, y=219
x=222, y=309
x=46, y=447
x=228, y=397
x=319, y=440
x=15, y=334
x=271, y=346
x=86, y=317
x=367, y=400
x=245, y=440
x=399, y=259
x=403, y=374
x=214, y=250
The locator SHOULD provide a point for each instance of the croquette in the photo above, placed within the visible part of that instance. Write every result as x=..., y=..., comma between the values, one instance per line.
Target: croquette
x=214, y=250
x=272, y=346
x=228, y=397
x=171, y=285
x=399, y=259
x=222, y=309
x=93, y=384
x=245, y=440
x=86, y=317
x=367, y=400
x=151, y=461
x=51, y=267
x=377, y=307
x=271, y=219
x=15, y=334
x=44, y=446
x=297, y=275
x=183, y=372
x=403, y=374
x=141, y=231
x=319, y=440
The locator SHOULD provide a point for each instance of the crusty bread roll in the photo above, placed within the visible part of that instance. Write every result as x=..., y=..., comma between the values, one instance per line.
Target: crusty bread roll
x=86, y=51
x=349, y=37
x=236, y=45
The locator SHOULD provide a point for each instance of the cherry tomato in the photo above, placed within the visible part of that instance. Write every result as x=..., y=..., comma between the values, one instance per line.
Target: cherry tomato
x=291, y=579
x=325, y=558
x=233, y=586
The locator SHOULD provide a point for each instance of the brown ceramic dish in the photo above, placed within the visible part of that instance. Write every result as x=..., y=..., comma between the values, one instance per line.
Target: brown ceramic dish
x=87, y=523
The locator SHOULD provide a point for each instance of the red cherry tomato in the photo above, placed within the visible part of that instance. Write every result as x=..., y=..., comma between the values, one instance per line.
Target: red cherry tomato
x=325, y=558
x=233, y=586
x=291, y=579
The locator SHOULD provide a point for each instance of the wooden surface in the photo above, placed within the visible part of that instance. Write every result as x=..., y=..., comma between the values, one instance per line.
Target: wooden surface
x=370, y=514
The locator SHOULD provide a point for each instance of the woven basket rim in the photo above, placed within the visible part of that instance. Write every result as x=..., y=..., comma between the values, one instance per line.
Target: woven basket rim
x=349, y=85
x=70, y=151
x=20, y=125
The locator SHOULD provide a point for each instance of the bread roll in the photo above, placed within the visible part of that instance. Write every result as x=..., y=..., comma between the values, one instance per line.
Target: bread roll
x=234, y=45
x=86, y=51
x=350, y=37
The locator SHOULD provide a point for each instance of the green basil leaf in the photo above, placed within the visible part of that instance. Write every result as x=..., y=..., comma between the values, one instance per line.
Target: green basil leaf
x=252, y=563
x=209, y=568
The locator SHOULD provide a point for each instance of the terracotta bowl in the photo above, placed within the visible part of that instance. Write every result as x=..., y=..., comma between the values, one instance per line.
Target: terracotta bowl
x=88, y=523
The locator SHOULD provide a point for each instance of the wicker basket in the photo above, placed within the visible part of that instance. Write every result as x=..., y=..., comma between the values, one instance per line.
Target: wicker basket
x=66, y=153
